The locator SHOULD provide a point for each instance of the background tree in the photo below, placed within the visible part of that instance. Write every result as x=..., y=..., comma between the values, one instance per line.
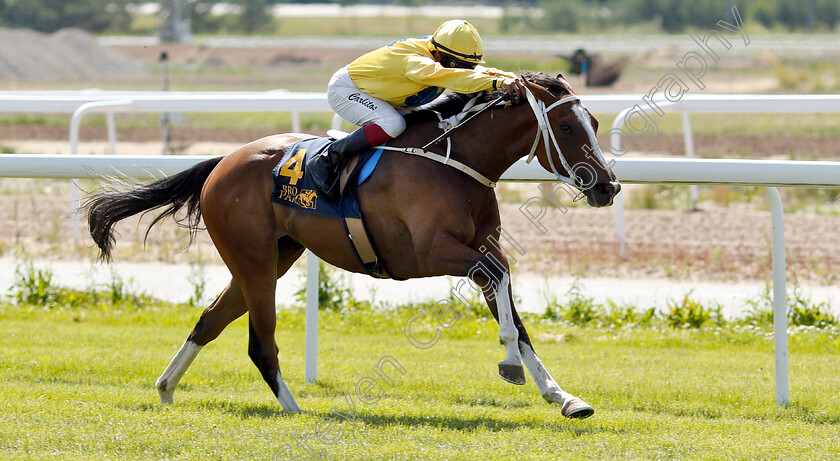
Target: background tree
x=586, y=16
x=52, y=15
x=255, y=16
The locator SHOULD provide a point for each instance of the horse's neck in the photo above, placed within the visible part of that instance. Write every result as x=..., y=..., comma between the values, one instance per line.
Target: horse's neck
x=489, y=144
x=493, y=142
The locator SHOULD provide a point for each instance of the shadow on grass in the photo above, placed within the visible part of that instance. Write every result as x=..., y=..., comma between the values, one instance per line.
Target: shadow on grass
x=799, y=412
x=243, y=411
x=248, y=411
x=320, y=389
x=155, y=407
x=794, y=412
x=492, y=402
x=691, y=412
x=468, y=423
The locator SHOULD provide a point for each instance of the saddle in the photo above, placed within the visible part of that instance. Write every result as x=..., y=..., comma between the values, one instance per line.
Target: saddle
x=293, y=187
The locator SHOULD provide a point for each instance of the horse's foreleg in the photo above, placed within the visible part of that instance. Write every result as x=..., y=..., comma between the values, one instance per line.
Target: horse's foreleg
x=229, y=306
x=510, y=369
x=497, y=293
x=493, y=276
x=571, y=406
x=500, y=300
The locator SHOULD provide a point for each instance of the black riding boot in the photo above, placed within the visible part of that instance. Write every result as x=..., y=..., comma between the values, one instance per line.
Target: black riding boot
x=325, y=176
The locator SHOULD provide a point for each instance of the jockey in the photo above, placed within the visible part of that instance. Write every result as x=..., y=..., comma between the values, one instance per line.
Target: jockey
x=375, y=90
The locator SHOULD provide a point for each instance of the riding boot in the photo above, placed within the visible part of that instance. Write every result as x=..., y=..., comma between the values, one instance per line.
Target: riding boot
x=327, y=164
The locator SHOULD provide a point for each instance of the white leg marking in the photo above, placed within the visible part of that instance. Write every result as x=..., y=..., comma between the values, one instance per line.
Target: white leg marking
x=168, y=381
x=549, y=389
x=571, y=406
x=507, y=330
x=285, y=397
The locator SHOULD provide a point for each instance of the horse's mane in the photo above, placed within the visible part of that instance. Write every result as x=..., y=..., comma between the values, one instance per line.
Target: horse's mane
x=452, y=104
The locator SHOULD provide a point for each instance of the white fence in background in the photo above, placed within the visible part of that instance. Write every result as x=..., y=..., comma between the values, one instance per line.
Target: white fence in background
x=654, y=171
x=707, y=103
x=645, y=171
x=80, y=103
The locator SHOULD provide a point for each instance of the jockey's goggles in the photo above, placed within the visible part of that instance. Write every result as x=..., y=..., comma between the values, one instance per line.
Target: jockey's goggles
x=449, y=61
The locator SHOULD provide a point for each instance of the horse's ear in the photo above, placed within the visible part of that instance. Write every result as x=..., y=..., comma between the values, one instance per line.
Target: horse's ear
x=564, y=82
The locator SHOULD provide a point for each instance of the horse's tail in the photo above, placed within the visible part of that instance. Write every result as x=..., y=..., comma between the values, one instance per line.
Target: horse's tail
x=104, y=209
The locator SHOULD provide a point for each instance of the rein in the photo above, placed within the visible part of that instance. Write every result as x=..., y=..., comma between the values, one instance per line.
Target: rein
x=448, y=129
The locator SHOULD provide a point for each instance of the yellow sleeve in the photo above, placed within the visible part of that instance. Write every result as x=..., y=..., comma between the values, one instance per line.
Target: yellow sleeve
x=494, y=72
x=426, y=71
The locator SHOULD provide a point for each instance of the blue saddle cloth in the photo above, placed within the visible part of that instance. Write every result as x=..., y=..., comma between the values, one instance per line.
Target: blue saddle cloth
x=293, y=186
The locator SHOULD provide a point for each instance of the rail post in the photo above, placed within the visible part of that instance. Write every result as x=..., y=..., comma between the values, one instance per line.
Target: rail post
x=780, y=343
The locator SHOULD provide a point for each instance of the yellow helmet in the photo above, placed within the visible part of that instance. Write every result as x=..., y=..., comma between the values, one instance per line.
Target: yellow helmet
x=459, y=39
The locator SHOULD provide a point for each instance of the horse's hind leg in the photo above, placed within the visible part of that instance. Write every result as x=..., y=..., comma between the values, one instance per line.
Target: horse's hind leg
x=262, y=347
x=229, y=306
x=253, y=266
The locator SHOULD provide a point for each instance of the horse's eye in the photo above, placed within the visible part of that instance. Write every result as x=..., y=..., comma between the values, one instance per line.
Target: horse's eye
x=565, y=129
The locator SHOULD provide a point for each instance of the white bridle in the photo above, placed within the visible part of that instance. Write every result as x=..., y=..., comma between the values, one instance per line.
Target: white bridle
x=545, y=132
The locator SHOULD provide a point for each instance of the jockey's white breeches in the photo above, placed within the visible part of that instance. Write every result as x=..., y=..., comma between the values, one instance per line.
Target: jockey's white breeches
x=359, y=108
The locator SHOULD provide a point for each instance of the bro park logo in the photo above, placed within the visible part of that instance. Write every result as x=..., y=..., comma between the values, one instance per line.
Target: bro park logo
x=293, y=169
x=304, y=198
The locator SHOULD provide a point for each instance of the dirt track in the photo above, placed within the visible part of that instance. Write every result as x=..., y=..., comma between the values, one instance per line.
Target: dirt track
x=718, y=244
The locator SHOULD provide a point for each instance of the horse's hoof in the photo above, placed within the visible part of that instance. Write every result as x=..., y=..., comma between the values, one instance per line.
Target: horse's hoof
x=514, y=374
x=166, y=395
x=577, y=409
x=285, y=397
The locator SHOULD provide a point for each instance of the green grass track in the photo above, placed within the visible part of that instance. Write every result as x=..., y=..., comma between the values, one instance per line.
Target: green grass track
x=78, y=384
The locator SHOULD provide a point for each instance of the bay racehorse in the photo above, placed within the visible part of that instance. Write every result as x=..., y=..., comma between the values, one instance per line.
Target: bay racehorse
x=424, y=218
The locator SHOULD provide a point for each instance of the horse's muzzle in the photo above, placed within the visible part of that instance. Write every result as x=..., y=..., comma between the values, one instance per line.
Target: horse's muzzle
x=602, y=194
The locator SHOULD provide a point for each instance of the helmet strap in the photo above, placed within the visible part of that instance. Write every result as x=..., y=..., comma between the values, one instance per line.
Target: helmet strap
x=474, y=56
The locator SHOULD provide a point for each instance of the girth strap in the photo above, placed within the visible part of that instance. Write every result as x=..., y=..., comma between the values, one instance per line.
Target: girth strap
x=364, y=248
x=357, y=233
